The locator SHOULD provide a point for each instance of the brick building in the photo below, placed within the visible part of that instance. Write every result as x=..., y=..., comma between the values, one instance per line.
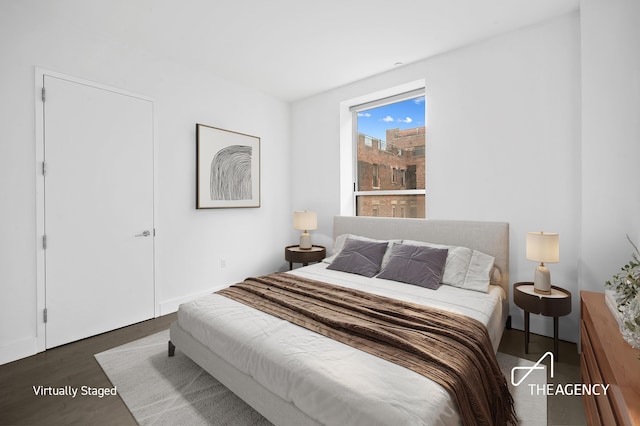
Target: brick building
x=395, y=164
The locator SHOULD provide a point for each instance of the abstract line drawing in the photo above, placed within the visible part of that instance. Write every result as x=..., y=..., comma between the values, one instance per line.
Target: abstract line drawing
x=231, y=173
x=227, y=169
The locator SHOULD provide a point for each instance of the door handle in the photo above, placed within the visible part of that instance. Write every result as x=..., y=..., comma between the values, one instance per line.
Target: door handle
x=144, y=234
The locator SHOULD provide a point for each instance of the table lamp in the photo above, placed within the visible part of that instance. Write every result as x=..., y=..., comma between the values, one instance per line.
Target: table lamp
x=305, y=221
x=542, y=247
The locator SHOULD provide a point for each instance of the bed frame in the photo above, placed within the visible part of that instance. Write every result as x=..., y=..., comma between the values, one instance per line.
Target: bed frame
x=489, y=237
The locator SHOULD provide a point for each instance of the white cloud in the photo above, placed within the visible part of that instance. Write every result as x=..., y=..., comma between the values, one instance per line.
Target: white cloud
x=419, y=100
x=364, y=114
x=389, y=119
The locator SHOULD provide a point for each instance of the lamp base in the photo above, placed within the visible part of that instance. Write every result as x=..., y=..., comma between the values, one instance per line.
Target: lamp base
x=542, y=280
x=305, y=241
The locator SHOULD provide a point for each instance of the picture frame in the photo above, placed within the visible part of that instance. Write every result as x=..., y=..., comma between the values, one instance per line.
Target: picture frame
x=227, y=169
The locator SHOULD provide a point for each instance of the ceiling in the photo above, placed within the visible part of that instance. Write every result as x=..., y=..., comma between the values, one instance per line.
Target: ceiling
x=292, y=49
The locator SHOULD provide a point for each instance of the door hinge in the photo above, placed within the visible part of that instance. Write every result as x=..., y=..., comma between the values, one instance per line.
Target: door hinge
x=44, y=94
x=44, y=242
x=44, y=168
x=45, y=315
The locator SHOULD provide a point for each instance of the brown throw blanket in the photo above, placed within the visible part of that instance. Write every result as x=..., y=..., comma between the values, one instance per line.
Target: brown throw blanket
x=450, y=349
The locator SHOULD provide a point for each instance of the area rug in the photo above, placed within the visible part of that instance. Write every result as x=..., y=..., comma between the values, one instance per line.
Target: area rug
x=159, y=390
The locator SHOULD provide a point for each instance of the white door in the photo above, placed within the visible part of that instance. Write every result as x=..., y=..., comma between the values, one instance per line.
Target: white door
x=98, y=219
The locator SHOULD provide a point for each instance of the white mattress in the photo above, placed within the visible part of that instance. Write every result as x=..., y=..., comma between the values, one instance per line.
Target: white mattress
x=330, y=381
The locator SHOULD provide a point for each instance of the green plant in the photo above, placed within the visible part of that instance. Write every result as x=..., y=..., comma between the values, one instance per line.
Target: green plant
x=626, y=284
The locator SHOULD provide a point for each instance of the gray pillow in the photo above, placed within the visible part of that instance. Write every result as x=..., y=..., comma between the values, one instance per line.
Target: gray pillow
x=360, y=257
x=418, y=265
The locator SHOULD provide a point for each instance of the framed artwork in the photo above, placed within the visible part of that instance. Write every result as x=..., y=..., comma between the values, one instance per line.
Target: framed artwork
x=227, y=169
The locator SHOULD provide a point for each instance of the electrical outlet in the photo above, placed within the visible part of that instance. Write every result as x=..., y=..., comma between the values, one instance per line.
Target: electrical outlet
x=223, y=263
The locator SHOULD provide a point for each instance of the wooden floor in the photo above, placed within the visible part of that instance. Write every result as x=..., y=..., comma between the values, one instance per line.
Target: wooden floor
x=74, y=365
x=69, y=365
x=561, y=410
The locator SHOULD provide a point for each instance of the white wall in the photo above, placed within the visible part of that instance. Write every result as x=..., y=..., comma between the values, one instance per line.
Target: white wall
x=610, y=137
x=503, y=143
x=190, y=243
x=504, y=116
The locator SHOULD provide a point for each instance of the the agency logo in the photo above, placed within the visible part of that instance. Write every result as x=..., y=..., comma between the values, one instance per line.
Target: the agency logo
x=529, y=370
x=551, y=388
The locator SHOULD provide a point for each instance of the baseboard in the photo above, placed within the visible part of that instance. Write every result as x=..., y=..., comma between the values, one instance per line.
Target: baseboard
x=170, y=306
x=18, y=349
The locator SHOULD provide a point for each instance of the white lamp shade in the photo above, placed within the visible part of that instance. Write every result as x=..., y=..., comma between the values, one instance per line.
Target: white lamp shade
x=543, y=247
x=305, y=220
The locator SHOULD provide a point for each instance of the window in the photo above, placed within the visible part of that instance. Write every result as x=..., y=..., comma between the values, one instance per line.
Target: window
x=390, y=167
x=376, y=178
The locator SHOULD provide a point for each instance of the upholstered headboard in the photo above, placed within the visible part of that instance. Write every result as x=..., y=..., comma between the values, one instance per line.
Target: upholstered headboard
x=488, y=237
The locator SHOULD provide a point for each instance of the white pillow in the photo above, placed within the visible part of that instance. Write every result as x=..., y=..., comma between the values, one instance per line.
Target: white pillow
x=341, y=239
x=464, y=268
x=479, y=273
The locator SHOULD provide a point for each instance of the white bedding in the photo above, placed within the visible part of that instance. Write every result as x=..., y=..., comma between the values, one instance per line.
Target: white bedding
x=330, y=381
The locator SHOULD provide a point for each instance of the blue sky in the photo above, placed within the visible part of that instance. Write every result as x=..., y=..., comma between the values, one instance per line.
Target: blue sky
x=403, y=115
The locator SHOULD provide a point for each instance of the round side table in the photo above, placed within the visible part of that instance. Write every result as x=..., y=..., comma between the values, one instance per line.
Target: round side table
x=555, y=305
x=294, y=254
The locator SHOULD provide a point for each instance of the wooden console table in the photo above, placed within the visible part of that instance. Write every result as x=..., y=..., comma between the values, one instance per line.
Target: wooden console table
x=607, y=359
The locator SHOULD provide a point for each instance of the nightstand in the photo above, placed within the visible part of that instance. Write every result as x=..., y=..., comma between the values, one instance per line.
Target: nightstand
x=555, y=305
x=294, y=254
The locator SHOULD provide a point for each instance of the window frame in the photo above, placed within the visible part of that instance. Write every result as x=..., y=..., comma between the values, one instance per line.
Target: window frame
x=354, y=110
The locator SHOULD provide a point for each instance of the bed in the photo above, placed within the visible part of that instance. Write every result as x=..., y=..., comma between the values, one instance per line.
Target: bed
x=294, y=376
